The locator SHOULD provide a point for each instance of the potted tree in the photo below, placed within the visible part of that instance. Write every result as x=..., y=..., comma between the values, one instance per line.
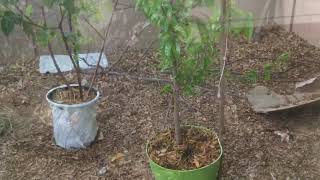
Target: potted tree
x=187, y=50
x=73, y=105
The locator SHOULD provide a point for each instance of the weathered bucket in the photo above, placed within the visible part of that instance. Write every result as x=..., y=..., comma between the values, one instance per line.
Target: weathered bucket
x=75, y=125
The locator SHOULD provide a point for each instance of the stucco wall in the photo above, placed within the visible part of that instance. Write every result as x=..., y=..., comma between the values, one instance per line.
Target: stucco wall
x=306, y=21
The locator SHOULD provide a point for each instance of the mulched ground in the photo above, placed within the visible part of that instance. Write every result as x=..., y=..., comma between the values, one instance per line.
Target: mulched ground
x=131, y=111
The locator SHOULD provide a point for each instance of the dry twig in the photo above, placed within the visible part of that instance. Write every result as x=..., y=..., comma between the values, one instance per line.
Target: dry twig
x=102, y=48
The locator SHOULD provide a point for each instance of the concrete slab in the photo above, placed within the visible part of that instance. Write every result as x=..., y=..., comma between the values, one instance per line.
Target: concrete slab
x=263, y=100
x=86, y=61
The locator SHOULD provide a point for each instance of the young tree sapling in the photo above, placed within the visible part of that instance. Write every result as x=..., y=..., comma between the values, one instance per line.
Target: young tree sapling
x=187, y=45
x=68, y=12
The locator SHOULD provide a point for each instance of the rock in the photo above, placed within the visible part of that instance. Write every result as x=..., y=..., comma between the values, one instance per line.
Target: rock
x=1, y=68
x=85, y=82
x=100, y=137
x=263, y=100
x=284, y=135
x=102, y=171
x=46, y=64
x=261, y=97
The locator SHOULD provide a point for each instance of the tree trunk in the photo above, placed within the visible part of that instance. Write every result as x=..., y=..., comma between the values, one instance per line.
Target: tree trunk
x=51, y=51
x=57, y=66
x=34, y=45
x=224, y=22
x=176, y=110
x=221, y=110
x=225, y=19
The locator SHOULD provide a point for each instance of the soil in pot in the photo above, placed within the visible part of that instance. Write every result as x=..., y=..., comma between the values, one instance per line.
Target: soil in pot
x=72, y=95
x=199, y=148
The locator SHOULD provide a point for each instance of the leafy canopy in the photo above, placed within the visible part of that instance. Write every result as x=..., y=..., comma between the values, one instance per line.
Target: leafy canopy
x=188, y=41
x=13, y=13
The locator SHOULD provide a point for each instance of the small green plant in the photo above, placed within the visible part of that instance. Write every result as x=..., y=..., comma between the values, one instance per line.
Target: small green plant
x=251, y=77
x=267, y=71
x=241, y=21
x=279, y=64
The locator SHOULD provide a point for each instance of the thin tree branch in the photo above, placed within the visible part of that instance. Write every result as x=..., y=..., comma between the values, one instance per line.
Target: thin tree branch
x=124, y=4
x=151, y=79
x=139, y=77
x=57, y=66
x=90, y=65
x=223, y=67
x=30, y=21
x=69, y=51
x=52, y=54
x=102, y=48
x=95, y=29
x=98, y=65
x=125, y=8
x=32, y=36
x=127, y=47
x=144, y=54
x=78, y=69
x=292, y=15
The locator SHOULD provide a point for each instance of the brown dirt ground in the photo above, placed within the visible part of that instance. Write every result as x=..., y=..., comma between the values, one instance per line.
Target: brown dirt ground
x=131, y=111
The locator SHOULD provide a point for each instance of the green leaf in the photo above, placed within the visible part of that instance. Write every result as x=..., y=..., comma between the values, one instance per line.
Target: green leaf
x=49, y=3
x=43, y=37
x=267, y=70
x=281, y=62
x=168, y=50
x=8, y=22
x=167, y=89
x=251, y=77
x=242, y=22
x=283, y=57
x=185, y=43
x=8, y=2
x=69, y=5
x=177, y=50
x=27, y=28
x=29, y=10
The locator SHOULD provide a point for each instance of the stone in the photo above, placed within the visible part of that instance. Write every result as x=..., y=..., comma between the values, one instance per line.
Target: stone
x=86, y=61
x=102, y=171
x=261, y=97
x=264, y=100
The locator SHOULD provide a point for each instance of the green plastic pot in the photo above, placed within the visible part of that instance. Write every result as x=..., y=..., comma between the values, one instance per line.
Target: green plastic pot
x=209, y=172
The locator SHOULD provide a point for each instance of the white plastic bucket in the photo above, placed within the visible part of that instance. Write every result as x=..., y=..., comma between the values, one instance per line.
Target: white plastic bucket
x=74, y=126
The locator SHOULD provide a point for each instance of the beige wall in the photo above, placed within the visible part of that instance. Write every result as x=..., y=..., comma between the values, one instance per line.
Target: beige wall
x=278, y=11
x=307, y=11
x=306, y=21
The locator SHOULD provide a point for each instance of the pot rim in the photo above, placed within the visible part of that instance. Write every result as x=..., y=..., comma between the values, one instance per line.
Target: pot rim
x=191, y=170
x=88, y=103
